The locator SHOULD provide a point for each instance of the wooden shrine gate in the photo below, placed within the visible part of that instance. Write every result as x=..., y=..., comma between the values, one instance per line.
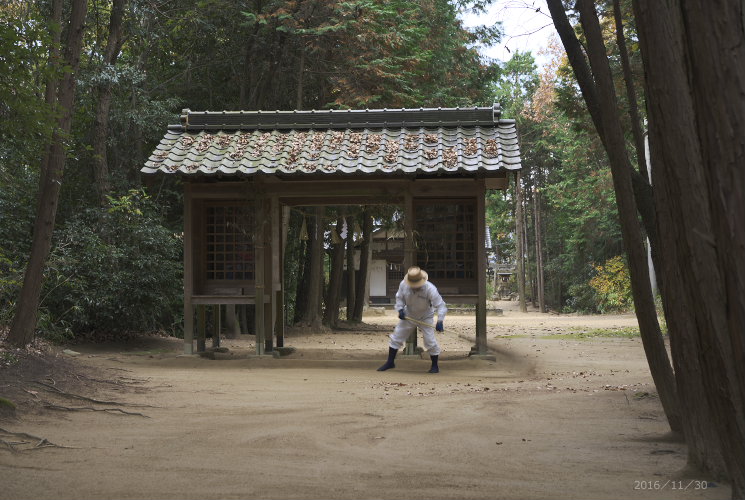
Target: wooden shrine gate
x=241, y=168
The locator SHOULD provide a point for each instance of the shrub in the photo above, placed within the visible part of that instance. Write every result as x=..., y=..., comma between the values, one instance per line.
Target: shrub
x=613, y=286
x=114, y=269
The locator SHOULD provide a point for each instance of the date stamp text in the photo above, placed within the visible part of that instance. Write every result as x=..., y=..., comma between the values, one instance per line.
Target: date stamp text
x=678, y=485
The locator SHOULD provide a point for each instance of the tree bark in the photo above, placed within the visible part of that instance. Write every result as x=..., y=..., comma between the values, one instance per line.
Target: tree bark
x=519, y=222
x=103, y=104
x=24, y=321
x=300, y=73
x=529, y=271
x=642, y=189
x=654, y=346
x=351, y=289
x=249, y=65
x=693, y=58
x=50, y=92
x=643, y=192
x=365, y=255
x=628, y=78
x=301, y=292
x=333, y=297
x=312, y=316
x=538, y=251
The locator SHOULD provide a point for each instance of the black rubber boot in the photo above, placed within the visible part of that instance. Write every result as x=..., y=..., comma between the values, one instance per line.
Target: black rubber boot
x=434, y=368
x=389, y=364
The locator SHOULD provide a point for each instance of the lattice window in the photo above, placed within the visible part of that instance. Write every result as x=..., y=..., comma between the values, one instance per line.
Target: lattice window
x=229, y=238
x=395, y=272
x=446, y=238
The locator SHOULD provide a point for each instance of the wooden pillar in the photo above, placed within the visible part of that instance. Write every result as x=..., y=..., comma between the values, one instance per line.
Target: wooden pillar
x=481, y=266
x=278, y=271
x=188, y=272
x=216, y=325
x=270, y=254
x=409, y=255
x=258, y=230
x=232, y=325
x=201, y=327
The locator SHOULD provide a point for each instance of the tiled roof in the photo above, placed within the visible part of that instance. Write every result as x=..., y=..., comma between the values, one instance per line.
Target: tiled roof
x=349, y=142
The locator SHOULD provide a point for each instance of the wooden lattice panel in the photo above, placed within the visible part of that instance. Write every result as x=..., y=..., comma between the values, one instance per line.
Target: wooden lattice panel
x=230, y=249
x=395, y=272
x=445, y=237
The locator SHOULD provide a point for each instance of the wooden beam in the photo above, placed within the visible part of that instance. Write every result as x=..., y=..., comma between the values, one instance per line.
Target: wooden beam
x=497, y=183
x=374, y=189
x=224, y=299
x=222, y=190
x=449, y=188
x=326, y=199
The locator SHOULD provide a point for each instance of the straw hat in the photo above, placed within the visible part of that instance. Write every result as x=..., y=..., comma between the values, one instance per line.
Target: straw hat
x=415, y=277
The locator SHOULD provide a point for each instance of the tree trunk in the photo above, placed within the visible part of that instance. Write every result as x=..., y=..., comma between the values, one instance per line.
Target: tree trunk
x=694, y=96
x=103, y=104
x=519, y=222
x=642, y=185
x=654, y=345
x=301, y=292
x=24, y=321
x=312, y=316
x=300, y=73
x=530, y=271
x=50, y=92
x=333, y=297
x=610, y=129
x=642, y=190
x=365, y=255
x=538, y=251
x=636, y=123
x=351, y=289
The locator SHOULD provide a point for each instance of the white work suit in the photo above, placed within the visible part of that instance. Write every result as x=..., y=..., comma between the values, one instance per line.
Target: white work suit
x=420, y=304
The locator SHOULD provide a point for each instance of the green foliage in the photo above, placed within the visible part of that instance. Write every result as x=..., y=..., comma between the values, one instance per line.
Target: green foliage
x=613, y=285
x=313, y=55
x=7, y=404
x=25, y=120
x=115, y=269
x=501, y=221
x=563, y=161
x=118, y=268
x=516, y=84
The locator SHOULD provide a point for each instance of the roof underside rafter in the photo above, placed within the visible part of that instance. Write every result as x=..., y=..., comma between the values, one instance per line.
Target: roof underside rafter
x=407, y=141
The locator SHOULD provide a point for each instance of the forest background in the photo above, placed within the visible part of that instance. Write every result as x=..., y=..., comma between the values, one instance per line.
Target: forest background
x=115, y=261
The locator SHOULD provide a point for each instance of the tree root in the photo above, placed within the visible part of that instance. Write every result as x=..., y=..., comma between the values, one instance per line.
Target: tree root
x=90, y=408
x=85, y=398
x=40, y=442
x=120, y=381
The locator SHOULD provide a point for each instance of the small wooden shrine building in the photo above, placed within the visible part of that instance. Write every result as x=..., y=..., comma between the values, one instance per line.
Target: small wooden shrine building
x=241, y=168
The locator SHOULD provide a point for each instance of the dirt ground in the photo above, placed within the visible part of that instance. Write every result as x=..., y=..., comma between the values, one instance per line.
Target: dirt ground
x=555, y=416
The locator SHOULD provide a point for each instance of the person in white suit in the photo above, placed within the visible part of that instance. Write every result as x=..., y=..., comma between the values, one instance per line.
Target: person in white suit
x=417, y=298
